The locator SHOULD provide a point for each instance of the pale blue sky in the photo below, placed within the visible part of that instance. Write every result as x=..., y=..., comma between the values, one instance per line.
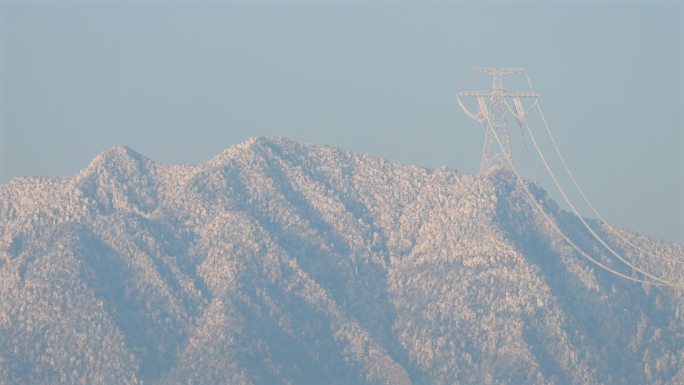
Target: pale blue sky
x=181, y=82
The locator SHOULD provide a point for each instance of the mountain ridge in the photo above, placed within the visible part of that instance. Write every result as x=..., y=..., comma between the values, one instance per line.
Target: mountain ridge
x=282, y=262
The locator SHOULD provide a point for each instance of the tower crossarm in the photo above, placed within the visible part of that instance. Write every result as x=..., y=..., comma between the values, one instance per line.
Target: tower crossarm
x=497, y=71
x=519, y=94
x=475, y=93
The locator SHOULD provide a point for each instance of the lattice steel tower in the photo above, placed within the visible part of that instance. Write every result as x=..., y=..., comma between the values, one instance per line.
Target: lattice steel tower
x=492, y=115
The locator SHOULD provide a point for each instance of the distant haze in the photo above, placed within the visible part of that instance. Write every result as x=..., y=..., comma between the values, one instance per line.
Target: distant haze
x=182, y=82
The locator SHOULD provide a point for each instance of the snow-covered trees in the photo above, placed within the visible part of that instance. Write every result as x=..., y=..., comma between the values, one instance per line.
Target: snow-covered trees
x=281, y=262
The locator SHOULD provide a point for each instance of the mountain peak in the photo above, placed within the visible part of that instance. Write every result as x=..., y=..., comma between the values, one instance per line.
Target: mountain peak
x=116, y=158
x=256, y=146
x=117, y=178
x=121, y=152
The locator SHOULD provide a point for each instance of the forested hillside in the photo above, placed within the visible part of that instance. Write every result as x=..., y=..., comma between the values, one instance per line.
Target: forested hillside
x=279, y=262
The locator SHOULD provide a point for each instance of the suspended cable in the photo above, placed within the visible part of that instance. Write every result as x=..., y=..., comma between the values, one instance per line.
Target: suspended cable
x=519, y=116
x=564, y=236
x=579, y=189
x=584, y=222
x=583, y=195
x=476, y=117
x=529, y=82
x=527, y=150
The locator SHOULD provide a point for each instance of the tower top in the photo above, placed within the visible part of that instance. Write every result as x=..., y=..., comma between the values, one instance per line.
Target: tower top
x=492, y=115
x=497, y=75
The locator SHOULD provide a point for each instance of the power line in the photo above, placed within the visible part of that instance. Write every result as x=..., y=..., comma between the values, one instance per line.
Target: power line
x=577, y=186
x=584, y=196
x=570, y=242
x=584, y=222
x=496, y=132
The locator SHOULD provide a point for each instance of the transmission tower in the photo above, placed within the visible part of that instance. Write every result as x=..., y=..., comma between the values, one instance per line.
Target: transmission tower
x=492, y=115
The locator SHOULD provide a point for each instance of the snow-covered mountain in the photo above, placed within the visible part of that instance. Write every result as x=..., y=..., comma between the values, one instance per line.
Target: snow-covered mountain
x=279, y=262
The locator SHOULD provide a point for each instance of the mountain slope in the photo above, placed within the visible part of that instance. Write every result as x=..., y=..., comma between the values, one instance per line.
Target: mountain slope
x=281, y=262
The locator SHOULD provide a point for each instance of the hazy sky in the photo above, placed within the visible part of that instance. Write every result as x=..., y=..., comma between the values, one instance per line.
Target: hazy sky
x=181, y=82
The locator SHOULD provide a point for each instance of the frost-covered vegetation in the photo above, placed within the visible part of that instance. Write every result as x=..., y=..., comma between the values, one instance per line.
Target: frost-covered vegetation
x=283, y=263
